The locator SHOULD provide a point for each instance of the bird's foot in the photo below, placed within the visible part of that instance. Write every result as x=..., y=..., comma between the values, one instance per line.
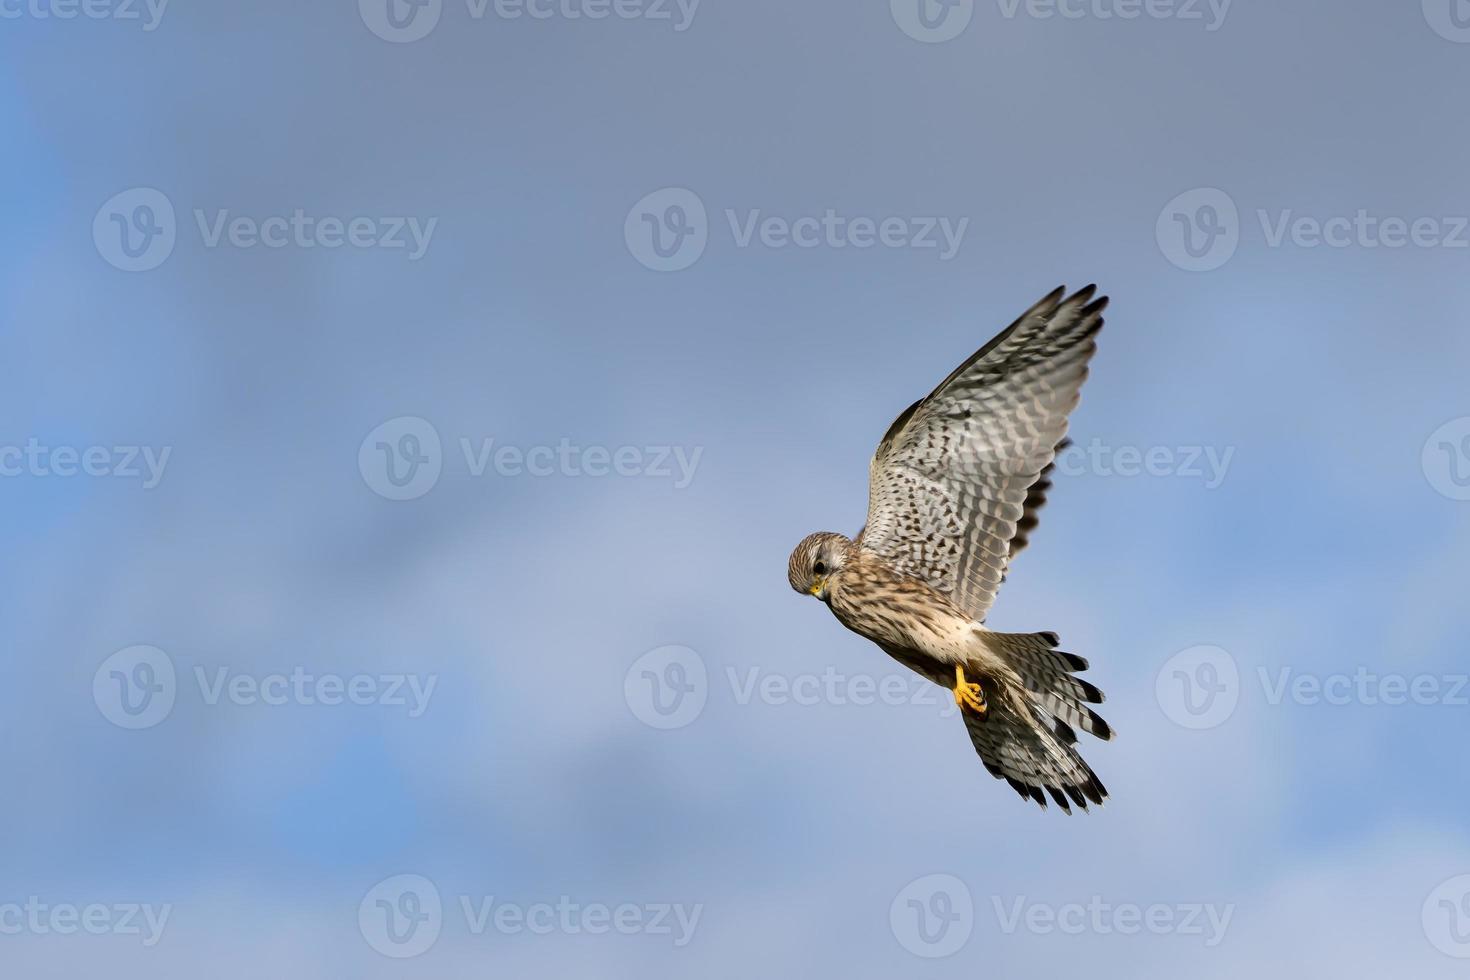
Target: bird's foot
x=968, y=694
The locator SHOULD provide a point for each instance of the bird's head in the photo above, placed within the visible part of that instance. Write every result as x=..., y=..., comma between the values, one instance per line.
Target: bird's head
x=819, y=557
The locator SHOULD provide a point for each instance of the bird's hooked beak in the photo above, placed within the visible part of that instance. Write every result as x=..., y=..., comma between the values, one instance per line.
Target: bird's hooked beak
x=819, y=587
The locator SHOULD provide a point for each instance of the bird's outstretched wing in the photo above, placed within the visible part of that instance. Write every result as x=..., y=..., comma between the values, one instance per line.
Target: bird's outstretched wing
x=952, y=480
x=1035, y=500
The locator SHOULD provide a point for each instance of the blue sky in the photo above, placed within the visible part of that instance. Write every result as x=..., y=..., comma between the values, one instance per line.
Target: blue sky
x=606, y=466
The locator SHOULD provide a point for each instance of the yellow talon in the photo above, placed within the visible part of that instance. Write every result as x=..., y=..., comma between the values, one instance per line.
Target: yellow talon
x=968, y=694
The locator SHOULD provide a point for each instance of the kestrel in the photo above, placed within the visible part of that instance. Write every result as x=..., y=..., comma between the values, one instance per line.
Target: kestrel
x=953, y=492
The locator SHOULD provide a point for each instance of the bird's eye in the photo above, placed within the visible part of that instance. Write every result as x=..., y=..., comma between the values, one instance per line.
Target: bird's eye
x=820, y=568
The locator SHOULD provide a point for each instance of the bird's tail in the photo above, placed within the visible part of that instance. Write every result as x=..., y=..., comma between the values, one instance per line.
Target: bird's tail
x=1047, y=673
x=1028, y=736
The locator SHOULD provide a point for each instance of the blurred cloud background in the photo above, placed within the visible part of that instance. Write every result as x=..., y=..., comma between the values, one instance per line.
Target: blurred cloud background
x=1328, y=378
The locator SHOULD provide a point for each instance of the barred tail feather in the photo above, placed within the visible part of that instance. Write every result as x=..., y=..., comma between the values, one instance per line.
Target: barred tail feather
x=1028, y=737
x=1047, y=674
x=1035, y=757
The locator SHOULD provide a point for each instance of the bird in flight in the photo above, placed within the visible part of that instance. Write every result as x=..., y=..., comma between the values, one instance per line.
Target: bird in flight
x=953, y=493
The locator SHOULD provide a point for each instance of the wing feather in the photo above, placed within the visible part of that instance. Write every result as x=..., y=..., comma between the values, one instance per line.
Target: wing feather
x=1035, y=500
x=954, y=484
